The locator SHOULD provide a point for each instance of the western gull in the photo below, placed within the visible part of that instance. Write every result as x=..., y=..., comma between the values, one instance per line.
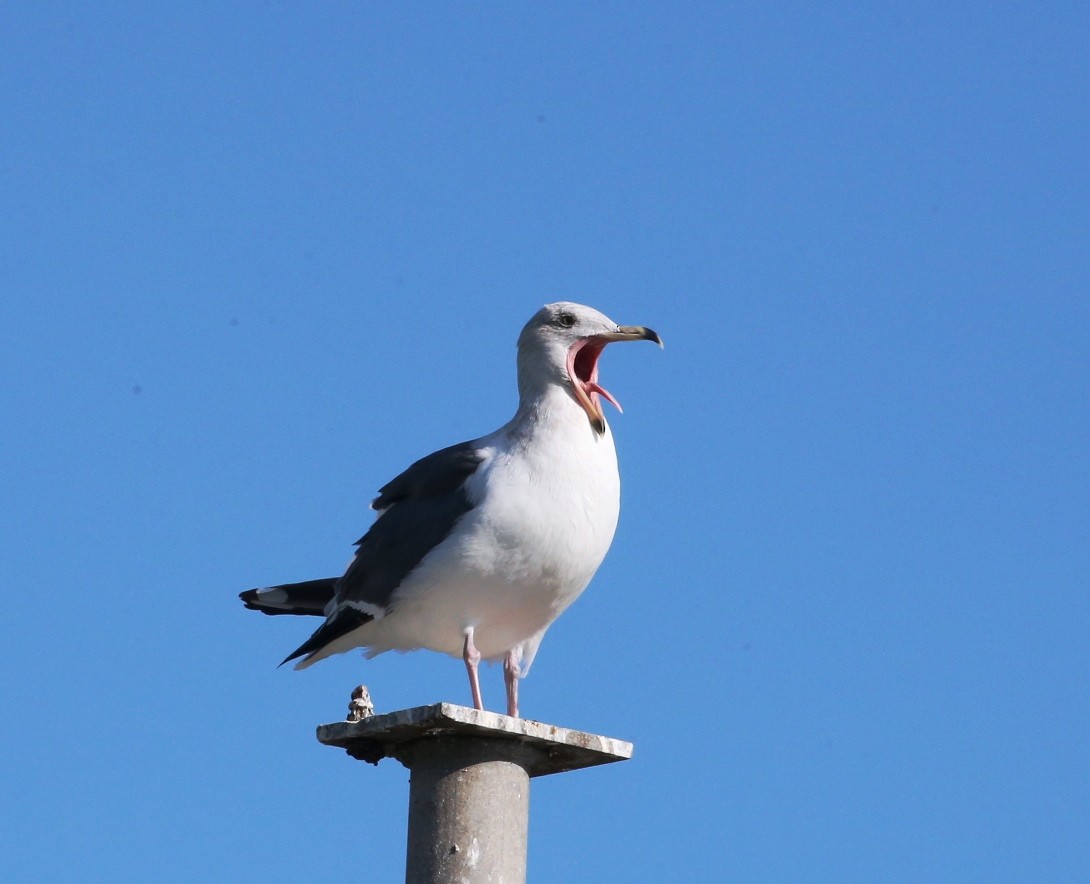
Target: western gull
x=479, y=547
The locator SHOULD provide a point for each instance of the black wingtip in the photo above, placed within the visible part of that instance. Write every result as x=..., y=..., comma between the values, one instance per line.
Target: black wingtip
x=251, y=600
x=294, y=655
x=341, y=623
x=311, y=597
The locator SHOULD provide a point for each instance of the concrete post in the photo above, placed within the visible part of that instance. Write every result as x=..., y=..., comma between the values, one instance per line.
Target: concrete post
x=469, y=782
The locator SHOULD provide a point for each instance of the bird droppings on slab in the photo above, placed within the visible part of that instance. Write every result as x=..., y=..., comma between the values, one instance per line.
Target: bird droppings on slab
x=360, y=706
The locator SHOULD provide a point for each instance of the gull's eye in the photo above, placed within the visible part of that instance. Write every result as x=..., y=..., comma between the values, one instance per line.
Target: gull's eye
x=565, y=320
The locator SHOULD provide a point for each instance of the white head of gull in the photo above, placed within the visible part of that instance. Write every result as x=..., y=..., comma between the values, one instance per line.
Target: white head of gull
x=479, y=547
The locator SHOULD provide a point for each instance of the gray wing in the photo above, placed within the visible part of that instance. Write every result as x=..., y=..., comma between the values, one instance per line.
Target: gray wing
x=417, y=511
x=440, y=473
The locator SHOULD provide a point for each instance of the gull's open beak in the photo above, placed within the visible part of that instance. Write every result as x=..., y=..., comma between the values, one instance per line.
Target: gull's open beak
x=583, y=369
x=632, y=333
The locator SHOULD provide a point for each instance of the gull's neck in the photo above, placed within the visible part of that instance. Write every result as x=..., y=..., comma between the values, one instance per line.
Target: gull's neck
x=547, y=406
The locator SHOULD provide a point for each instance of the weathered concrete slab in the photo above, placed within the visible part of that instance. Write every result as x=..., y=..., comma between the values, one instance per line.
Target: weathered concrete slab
x=546, y=748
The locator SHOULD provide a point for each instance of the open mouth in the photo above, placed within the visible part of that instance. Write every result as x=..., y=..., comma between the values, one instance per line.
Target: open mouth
x=583, y=359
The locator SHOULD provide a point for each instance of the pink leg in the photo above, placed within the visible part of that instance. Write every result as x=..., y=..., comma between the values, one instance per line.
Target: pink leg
x=472, y=657
x=511, y=675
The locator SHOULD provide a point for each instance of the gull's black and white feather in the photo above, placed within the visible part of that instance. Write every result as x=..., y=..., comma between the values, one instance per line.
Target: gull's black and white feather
x=479, y=547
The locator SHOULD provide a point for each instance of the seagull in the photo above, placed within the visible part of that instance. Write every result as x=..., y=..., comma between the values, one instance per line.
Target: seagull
x=479, y=547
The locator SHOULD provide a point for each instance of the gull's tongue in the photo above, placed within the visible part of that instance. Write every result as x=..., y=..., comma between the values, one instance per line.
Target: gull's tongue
x=595, y=387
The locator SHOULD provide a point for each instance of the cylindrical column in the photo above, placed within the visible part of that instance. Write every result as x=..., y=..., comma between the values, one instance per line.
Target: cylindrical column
x=469, y=808
x=469, y=782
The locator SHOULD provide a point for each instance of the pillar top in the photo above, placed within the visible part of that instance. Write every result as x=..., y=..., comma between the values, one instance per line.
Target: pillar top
x=554, y=749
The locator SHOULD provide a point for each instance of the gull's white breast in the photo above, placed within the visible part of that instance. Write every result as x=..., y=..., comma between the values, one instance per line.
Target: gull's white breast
x=546, y=501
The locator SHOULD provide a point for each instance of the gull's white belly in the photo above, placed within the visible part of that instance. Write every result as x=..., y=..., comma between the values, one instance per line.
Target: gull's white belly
x=516, y=560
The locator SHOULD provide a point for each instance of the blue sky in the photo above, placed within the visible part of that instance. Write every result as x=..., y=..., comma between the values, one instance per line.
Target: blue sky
x=257, y=259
